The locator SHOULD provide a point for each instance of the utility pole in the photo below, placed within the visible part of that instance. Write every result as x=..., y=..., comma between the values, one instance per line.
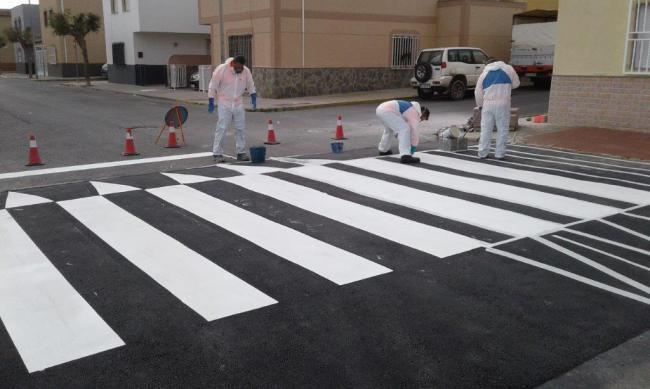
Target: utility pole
x=222, y=33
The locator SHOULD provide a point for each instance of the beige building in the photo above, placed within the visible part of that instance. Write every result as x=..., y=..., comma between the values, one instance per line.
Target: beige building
x=338, y=46
x=7, y=58
x=61, y=55
x=602, y=64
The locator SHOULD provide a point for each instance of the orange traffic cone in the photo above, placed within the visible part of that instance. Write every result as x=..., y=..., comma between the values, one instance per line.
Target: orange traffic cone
x=129, y=147
x=270, y=136
x=339, y=129
x=34, y=159
x=172, y=141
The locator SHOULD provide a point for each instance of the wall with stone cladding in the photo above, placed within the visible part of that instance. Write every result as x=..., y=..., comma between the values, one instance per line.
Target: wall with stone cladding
x=605, y=102
x=281, y=83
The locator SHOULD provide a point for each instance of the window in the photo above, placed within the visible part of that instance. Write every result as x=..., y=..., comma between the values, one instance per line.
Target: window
x=113, y=6
x=118, y=54
x=241, y=45
x=125, y=5
x=432, y=57
x=479, y=57
x=51, y=55
x=637, y=50
x=404, y=51
x=45, y=18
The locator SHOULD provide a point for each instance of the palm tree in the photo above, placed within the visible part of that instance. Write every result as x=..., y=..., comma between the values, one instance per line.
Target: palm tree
x=76, y=26
x=24, y=38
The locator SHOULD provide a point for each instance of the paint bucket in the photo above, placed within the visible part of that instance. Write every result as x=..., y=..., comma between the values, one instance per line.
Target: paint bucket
x=258, y=154
x=337, y=147
x=452, y=132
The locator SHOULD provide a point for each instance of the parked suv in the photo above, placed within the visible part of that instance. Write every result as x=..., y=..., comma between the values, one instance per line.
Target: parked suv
x=448, y=70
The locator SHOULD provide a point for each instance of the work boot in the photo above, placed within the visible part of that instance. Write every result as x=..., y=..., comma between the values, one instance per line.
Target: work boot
x=218, y=158
x=407, y=158
x=389, y=152
x=501, y=158
x=243, y=157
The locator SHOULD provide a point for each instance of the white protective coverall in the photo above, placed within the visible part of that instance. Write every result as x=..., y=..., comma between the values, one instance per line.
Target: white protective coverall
x=402, y=118
x=493, y=94
x=228, y=87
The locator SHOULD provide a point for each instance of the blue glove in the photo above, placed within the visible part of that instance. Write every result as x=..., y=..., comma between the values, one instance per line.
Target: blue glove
x=211, y=104
x=254, y=101
x=413, y=149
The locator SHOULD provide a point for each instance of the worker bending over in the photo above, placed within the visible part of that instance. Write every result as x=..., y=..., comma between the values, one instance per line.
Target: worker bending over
x=401, y=118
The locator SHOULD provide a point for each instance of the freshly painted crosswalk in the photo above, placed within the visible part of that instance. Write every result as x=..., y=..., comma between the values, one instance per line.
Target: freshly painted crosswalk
x=50, y=323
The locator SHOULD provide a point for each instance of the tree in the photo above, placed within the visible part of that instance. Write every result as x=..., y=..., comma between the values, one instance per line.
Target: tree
x=76, y=26
x=24, y=38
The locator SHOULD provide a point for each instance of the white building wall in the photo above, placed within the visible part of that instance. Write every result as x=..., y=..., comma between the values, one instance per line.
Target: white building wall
x=180, y=16
x=120, y=27
x=158, y=47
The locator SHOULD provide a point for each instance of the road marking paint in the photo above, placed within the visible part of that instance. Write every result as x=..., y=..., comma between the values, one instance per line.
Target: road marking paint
x=550, y=202
x=46, y=318
x=101, y=165
x=625, y=229
x=594, y=264
x=615, y=192
x=301, y=161
x=243, y=169
x=106, y=188
x=602, y=252
x=17, y=199
x=188, y=178
x=328, y=261
x=486, y=217
x=567, y=274
x=585, y=155
x=637, y=216
x=612, y=242
x=199, y=283
x=432, y=240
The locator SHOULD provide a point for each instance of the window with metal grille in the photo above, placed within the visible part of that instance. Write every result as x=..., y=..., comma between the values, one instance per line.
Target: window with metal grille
x=113, y=6
x=637, y=49
x=241, y=45
x=51, y=55
x=404, y=51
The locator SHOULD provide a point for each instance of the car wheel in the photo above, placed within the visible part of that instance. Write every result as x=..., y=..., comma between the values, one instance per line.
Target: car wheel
x=424, y=95
x=423, y=72
x=457, y=90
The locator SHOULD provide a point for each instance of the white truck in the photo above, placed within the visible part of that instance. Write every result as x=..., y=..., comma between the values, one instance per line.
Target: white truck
x=533, y=52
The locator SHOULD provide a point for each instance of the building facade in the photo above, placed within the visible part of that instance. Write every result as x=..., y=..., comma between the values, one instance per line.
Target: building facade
x=602, y=64
x=60, y=56
x=142, y=35
x=7, y=59
x=310, y=47
x=22, y=17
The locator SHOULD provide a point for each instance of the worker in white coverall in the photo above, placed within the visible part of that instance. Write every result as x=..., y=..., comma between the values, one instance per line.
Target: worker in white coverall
x=229, y=80
x=401, y=118
x=493, y=91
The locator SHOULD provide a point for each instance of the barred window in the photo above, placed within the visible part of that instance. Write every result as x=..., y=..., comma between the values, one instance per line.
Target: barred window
x=404, y=51
x=637, y=50
x=241, y=45
x=51, y=55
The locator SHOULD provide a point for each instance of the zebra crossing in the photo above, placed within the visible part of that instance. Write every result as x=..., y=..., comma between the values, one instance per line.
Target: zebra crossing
x=582, y=217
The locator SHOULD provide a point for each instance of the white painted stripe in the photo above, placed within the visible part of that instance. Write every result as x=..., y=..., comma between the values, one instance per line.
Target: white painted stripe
x=639, y=163
x=48, y=321
x=205, y=287
x=614, y=192
x=419, y=236
x=301, y=161
x=602, y=252
x=486, y=217
x=17, y=200
x=553, y=203
x=106, y=188
x=247, y=169
x=567, y=274
x=625, y=229
x=188, y=178
x=634, y=215
x=101, y=165
x=594, y=264
x=330, y=262
x=612, y=242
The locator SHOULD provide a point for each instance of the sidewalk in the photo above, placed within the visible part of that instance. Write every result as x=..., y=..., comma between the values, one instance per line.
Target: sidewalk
x=189, y=96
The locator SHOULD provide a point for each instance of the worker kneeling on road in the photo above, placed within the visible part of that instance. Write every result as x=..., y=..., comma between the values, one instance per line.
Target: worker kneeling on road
x=401, y=118
x=229, y=80
x=493, y=93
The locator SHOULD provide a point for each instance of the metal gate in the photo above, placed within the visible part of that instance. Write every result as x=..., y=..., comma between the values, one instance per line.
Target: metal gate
x=205, y=74
x=177, y=76
x=41, y=59
x=241, y=45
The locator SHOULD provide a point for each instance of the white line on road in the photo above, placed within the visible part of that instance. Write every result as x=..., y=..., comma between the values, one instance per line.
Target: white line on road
x=625, y=229
x=612, y=242
x=495, y=219
x=328, y=261
x=645, y=164
x=202, y=285
x=47, y=319
x=17, y=200
x=602, y=252
x=432, y=240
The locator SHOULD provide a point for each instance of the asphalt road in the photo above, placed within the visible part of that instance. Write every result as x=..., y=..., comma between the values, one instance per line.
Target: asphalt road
x=537, y=267
x=77, y=126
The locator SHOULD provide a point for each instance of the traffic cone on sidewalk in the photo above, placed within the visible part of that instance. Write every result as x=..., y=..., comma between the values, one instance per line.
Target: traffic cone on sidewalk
x=172, y=142
x=339, y=129
x=270, y=136
x=129, y=147
x=34, y=159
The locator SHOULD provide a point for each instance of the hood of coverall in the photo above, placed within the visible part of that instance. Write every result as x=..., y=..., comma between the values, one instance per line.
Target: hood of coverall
x=496, y=65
